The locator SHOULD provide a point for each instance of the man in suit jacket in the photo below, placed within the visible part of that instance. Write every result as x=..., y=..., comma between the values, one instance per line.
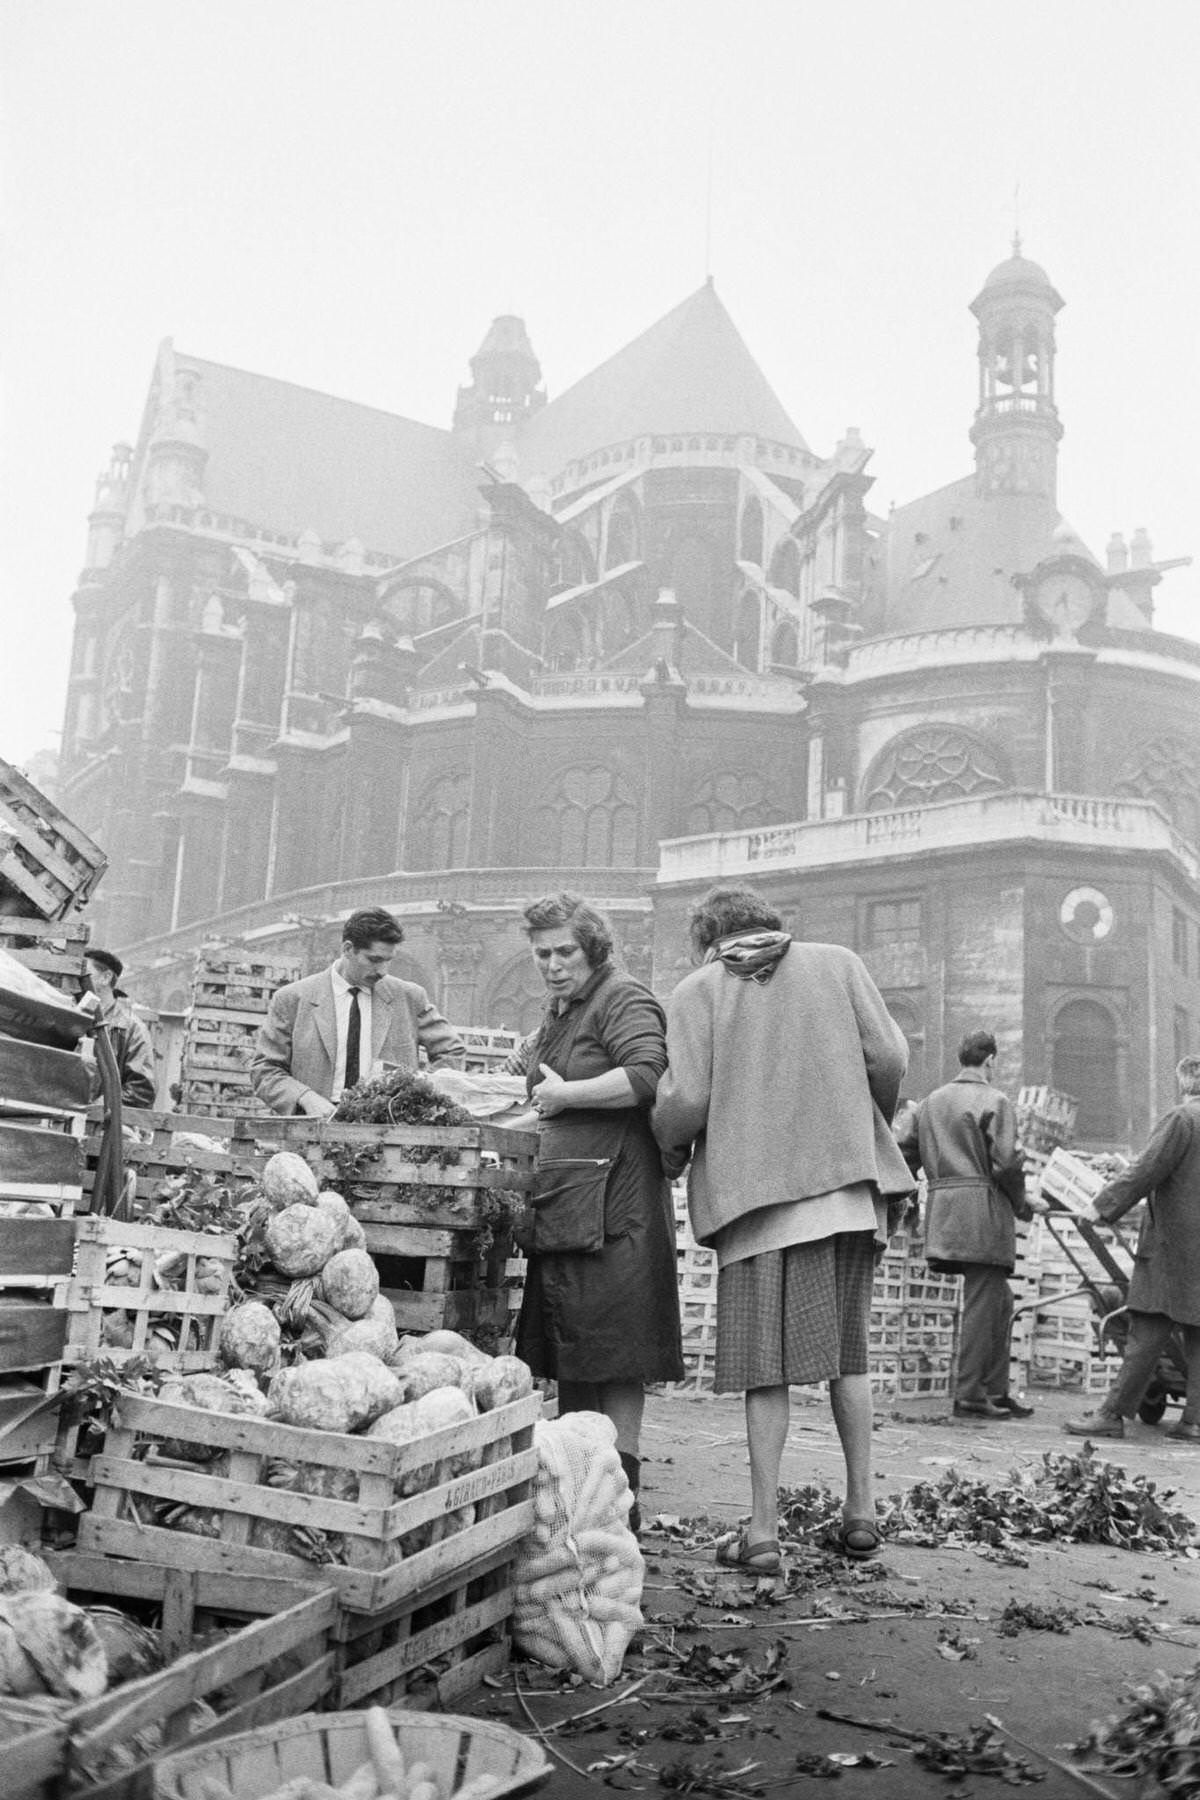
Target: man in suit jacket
x=330, y=1030
x=1164, y=1290
x=967, y=1146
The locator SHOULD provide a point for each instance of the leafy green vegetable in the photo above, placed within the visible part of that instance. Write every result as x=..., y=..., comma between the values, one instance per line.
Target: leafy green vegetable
x=398, y=1098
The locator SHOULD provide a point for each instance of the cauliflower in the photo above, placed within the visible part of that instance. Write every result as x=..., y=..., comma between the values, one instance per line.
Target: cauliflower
x=301, y=1239
x=421, y=1374
x=350, y=1283
x=375, y=1332
x=250, y=1338
x=287, y=1180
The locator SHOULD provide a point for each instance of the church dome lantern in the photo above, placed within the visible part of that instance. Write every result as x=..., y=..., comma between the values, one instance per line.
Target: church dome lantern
x=1017, y=427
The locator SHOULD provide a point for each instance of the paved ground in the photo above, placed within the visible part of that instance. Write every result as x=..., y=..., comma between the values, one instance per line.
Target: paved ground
x=895, y=1665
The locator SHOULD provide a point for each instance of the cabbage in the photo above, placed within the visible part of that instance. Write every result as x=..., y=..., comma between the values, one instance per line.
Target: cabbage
x=287, y=1180
x=249, y=1338
x=452, y=1343
x=317, y=1395
x=380, y=1386
x=21, y=1572
x=350, y=1283
x=48, y=1645
x=497, y=1382
x=376, y=1333
x=301, y=1239
x=421, y=1374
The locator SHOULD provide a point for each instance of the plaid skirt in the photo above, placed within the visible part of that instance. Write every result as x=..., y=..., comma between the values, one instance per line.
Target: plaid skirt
x=795, y=1316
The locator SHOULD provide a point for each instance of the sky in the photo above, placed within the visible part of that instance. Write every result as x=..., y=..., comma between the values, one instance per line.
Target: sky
x=344, y=193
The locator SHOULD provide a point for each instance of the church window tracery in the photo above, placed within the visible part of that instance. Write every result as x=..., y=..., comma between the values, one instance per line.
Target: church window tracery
x=1166, y=770
x=518, y=997
x=748, y=639
x=785, y=645
x=732, y=800
x=414, y=607
x=440, y=824
x=623, y=538
x=590, y=820
x=933, y=762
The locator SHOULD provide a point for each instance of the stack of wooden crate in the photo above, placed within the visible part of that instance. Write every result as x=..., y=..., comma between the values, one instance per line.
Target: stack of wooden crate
x=915, y=1319
x=48, y=866
x=230, y=997
x=44, y=1091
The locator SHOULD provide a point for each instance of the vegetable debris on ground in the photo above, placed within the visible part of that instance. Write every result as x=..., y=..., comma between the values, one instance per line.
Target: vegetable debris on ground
x=1073, y=1498
x=1155, y=1739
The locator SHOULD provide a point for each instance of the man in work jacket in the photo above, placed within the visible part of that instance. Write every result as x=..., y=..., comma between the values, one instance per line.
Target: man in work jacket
x=967, y=1145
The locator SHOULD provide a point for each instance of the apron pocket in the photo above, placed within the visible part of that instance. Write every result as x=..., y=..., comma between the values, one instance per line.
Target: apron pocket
x=567, y=1204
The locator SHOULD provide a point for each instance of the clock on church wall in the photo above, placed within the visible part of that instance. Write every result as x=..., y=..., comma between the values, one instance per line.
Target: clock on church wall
x=1086, y=915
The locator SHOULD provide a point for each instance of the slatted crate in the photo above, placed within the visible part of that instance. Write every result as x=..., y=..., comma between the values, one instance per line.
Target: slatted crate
x=239, y=984
x=177, y=1325
x=168, y=1145
x=39, y=1166
x=390, y=1550
x=911, y=1377
x=263, y=1672
x=37, y=1081
x=53, y=949
x=32, y=1750
x=48, y=866
x=35, y=1262
x=436, y=1204
x=1072, y=1367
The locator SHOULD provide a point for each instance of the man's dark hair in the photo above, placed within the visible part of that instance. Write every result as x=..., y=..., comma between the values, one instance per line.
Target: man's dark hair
x=724, y=910
x=108, y=959
x=592, y=931
x=372, y=925
x=975, y=1049
x=1187, y=1074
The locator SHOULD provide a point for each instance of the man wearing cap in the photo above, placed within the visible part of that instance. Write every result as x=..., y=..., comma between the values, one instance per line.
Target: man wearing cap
x=128, y=1036
x=327, y=1032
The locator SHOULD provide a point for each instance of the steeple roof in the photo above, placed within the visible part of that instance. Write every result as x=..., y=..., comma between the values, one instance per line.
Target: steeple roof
x=689, y=373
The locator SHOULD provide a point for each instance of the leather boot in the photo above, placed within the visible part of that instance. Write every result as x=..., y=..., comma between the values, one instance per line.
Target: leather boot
x=633, y=1475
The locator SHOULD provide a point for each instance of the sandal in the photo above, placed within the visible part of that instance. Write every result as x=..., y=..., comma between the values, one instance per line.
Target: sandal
x=735, y=1552
x=859, y=1539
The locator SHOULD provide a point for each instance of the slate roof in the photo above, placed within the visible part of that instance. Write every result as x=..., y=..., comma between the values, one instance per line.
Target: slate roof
x=948, y=558
x=691, y=372
x=294, y=460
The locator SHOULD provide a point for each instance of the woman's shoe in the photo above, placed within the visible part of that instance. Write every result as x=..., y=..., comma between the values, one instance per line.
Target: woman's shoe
x=859, y=1539
x=734, y=1551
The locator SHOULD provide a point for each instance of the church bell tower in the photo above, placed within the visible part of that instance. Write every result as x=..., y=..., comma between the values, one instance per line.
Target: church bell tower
x=1017, y=427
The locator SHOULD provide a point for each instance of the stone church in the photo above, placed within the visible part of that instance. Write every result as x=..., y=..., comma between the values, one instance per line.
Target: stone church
x=628, y=639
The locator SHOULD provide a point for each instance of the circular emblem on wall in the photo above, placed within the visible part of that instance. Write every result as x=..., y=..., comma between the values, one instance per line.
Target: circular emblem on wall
x=1086, y=915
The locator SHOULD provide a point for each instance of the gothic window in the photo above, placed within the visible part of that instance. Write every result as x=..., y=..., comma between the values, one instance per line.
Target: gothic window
x=1085, y=1066
x=934, y=762
x=576, y=563
x=438, y=837
x=121, y=698
x=565, y=648
x=622, y=540
x=749, y=631
x=591, y=820
x=732, y=801
x=785, y=645
x=1167, y=771
x=618, y=621
x=751, y=534
x=785, y=567
x=518, y=997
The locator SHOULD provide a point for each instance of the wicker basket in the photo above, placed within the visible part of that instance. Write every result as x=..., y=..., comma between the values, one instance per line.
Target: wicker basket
x=330, y=1746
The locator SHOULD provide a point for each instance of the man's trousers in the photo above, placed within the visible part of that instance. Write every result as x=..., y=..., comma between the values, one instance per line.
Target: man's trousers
x=983, y=1347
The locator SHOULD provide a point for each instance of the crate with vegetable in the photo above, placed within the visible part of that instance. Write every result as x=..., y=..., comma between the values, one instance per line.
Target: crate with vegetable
x=141, y=1289
x=48, y=866
x=53, y=948
x=178, y=1154
x=113, y=1691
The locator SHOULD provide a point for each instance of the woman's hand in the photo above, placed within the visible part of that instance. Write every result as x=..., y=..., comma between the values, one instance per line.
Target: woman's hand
x=550, y=1094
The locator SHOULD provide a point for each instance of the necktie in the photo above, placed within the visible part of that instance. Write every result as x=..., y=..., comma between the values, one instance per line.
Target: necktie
x=353, y=1034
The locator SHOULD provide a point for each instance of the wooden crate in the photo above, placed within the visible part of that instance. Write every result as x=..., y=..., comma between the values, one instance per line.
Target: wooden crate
x=189, y=1317
x=53, y=948
x=32, y=1750
x=35, y=1263
x=43, y=1082
x=41, y=1166
x=239, y=984
x=393, y=1549
x=267, y=1671
x=46, y=860
x=160, y=1154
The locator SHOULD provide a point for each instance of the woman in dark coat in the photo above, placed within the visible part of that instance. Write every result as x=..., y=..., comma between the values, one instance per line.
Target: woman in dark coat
x=601, y=1316
x=1164, y=1291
